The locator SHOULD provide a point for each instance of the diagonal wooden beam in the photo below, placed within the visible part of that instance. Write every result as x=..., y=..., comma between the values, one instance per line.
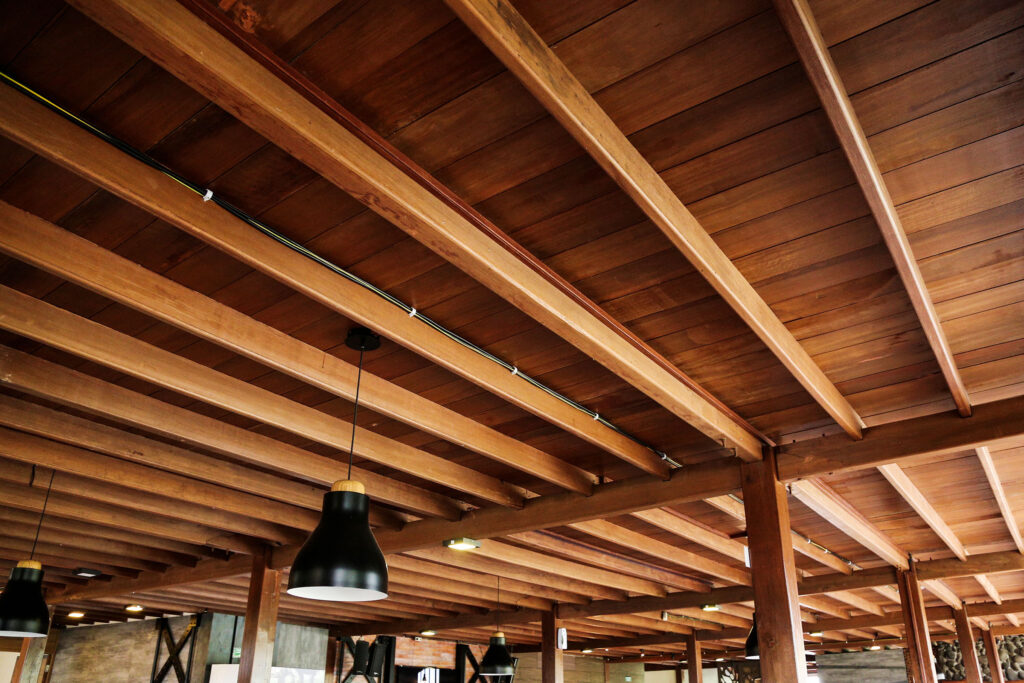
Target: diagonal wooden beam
x=526, y=55
x=77, y=390
x=987, y=464
x=803, y=30
x=48, y=324
x=895, y=475
x=66, y=255
x=195, y=52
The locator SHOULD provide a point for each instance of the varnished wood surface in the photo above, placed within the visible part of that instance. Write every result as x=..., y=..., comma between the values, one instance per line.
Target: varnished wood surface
x=717, y=104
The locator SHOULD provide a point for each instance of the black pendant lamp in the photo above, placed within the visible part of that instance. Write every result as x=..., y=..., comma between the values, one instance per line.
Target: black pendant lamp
x=497, y=661
x=23, y=612
x=341, y=561
x=751, y=649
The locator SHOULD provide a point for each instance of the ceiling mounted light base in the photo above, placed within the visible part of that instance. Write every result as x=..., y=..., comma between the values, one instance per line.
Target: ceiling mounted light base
x=362, y=339
x=23, y=612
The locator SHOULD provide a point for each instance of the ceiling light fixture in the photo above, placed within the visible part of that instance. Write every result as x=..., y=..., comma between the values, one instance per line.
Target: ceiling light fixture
x=428, y=632
x=497, y=661
x=711, y=608
x=816, y=634
x=341, y=561
x=86, y=573
x=23, y=611
x=135, y=607
x=462, y=543
x=76, y=615
x=586, y=651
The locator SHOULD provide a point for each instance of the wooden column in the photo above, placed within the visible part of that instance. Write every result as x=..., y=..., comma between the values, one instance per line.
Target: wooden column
x=607, y=671
x=992, y=654
x=551, y=656
x=920, y=668
x=694, y=668
x=19, y=665
x=331, y=666
x=679, y=674
x=964, y=633
x=260, y=622
x=773, y=572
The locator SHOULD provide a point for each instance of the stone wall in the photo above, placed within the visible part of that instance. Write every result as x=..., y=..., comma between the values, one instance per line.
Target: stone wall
x=579, y=670
x=872, y=666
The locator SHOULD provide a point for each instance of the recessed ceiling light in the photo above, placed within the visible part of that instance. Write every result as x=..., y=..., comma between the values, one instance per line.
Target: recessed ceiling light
x=462, y=543
x=428, y=632
x=875, y=647
x=817, y=634
x=587, y=651
x=87, y=573
x=711, y=608
x=76, y=615
x=134, y=608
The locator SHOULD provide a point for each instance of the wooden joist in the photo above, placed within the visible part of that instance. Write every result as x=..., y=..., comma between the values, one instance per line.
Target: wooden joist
x=802, y=27
x=526, y=55
x=187, y=47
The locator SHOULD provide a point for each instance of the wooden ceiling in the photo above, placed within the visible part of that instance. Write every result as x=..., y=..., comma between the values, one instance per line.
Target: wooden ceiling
x=182, y=379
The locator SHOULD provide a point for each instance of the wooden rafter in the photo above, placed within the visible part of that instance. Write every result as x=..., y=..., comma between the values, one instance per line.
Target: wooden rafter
x=987, y=464
x=44, y=245
x=803, y=30
x=895, y=475
x=526, y=55
x=189, y=48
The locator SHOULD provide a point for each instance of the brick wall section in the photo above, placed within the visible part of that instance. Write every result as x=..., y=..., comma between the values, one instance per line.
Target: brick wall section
x=579, y=670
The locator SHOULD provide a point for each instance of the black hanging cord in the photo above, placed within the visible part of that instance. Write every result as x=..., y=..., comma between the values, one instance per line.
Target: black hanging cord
x=355, y=411
x=41, y=515
x=498, y=615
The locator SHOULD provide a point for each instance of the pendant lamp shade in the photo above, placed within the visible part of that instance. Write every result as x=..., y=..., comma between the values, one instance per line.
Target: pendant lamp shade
x=23, y=612
x=497, y=661
x=752, y=649
x=341, y=561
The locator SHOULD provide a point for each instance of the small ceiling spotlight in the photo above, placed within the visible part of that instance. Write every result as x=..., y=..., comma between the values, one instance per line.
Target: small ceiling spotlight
x=816, y=634
x=76, y=615
x=135, y=607
x=428, y=632
x=711, y=608
x=462, y=543
x=587, y=651
x=87, y=573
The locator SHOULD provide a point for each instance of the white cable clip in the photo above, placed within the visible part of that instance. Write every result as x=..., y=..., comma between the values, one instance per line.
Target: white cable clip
x=412, y=313
x=597, y=416
x=515, y=371
x=208, y=196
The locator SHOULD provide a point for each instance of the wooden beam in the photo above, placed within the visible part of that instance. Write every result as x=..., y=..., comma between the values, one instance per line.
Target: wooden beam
x=1000, y=423
x=51, y=325
x=68, y=256
x=776, y=597
x=895, y=475
x=526, y=55
x=694, y=660
x=190, y=49
x=551, y=670
x=995, y=666
x=803, y=30
x=260, y=622
x=832, y=508
x=964, y=634
x=332, y=666
x=989, y=466
x=919, y=648
x=83, y=392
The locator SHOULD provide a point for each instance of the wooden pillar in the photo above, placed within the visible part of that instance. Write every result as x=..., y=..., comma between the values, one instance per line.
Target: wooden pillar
x=773, y=572
x=19, y=664
x=964, y=633
x=607, y=671
x=260, y=622
x=331, y=666
x=920, y=668
x=551, y=656
x=992, y=654
x=679, y=673
x=694, y=660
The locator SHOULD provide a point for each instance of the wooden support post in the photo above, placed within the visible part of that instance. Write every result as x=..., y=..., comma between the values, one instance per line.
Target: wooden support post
x=694, y=661
x=607, y=671
x=260, y=622
x=964, y=633
x=995, y=666
x=19, y=664
x=919, y=646
x=679, y=673
x=331, y=666
x=551, y=656
x=773, y=572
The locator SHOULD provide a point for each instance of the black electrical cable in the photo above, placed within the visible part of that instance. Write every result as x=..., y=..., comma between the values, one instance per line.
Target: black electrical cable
x=355, y=412
x=208, y=195
x=42, y=514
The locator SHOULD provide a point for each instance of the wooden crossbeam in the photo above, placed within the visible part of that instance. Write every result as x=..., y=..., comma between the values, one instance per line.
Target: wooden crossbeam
x=526, y=55
x=187, y=47
x=800, y=24
x=987, y=464
x=43, y=322
x=44, y=245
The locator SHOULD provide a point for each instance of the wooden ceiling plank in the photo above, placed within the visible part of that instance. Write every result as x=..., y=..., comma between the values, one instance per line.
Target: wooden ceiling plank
x=48, y=324
x=909, y=491
x=800, y=24
x=526, y=55
x=44, y=245
x=186, y=46
x=994, y=482
x=83, y=392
